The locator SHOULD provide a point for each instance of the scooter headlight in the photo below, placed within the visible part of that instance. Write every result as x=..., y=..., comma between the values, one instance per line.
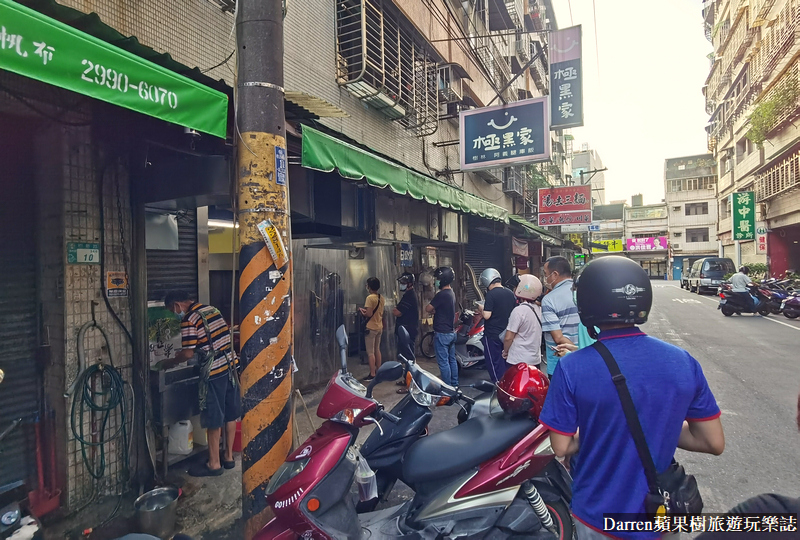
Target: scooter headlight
x=423, y=399
x=286, y=472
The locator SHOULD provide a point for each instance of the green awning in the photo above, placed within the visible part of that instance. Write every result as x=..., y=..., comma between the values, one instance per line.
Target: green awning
x=325, y=153
x=50, y=51
x=543, y=234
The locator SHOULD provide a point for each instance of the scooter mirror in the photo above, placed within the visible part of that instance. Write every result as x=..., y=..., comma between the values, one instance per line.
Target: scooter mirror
x=388, y=371
x=405, y=347
x=484, y=386
x=341, y=337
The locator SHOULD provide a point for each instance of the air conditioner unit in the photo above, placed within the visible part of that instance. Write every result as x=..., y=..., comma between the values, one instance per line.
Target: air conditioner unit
x=676, y=246
x=449, y=84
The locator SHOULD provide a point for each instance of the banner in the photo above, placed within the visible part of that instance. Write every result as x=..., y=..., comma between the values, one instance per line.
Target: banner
x=566, y=79
x=657, y=243
x=613, y=245
x=52, y=52
x=761, y=238
x=504, y=135
x=744, y=215
x=565, y=218
x=519, y=247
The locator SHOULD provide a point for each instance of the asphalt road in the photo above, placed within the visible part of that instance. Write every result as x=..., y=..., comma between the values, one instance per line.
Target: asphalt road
x=751, y=363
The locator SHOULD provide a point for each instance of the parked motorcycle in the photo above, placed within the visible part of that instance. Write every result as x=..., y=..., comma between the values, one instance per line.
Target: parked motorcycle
x=730, y=302
x=791, y=307
x=490, y=477
x=384, y=449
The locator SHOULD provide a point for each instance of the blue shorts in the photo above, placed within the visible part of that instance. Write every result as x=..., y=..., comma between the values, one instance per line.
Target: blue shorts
x=223, y=402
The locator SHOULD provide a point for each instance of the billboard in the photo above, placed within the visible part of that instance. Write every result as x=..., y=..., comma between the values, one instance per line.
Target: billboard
x=566, y=79
x=504, y=135
x=613, y=246
x=566, y=205
x=656, y=243
x=744, y=215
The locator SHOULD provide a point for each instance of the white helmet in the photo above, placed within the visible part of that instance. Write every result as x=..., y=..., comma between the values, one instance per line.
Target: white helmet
x=489, y=276
x=529, y=288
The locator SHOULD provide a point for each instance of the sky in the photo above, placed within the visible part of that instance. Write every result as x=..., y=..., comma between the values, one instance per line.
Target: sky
x=644, y=104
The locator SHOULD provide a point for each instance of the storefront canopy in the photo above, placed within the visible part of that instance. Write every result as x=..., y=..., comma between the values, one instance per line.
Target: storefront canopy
x=543, y=234
x=50, y=51
x=325, y=153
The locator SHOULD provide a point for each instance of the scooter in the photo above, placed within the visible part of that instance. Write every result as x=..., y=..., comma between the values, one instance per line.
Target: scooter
x=384, y=449
x=730, y=302
x=469, y=347
x=490, y=477
x=791, y=307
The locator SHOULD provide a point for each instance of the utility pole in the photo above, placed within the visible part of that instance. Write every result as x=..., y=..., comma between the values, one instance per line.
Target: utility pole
x=265, y=268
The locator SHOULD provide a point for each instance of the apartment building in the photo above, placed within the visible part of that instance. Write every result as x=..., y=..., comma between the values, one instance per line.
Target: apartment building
x=646, y=230
x=752, y=99
x=588, y=162
x=690, y=184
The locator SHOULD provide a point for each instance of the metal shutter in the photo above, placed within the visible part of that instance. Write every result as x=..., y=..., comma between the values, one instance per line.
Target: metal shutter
x=483, y=251
x=174, y=269
x=19, y=391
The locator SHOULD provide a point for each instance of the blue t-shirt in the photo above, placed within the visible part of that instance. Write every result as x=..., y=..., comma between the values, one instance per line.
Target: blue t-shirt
x=667, y=386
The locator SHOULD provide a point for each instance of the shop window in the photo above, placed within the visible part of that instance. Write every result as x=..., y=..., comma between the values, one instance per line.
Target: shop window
x=697, y=235
x=697, y=209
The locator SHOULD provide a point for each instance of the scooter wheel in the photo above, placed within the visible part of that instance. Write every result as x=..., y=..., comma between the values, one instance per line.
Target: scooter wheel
x=764, y=311
x=791, y=314
x=728, y=311
x=562, y=519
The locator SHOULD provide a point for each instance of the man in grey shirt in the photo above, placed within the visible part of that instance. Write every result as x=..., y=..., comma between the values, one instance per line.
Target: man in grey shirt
x=740, y=283
x=560, y=317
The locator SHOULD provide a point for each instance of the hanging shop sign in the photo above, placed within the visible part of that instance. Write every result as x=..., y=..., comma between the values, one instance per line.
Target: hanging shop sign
x=743, y=204
x=566, y=79
x=761, y=238
x=568, y=205
x=565, y=218
x=576, y=239
x=406, y=255
x=615, y=246
x=82, y=252
x=656, y=243
x=116, y=284
x=36, y=46
x=499, y=136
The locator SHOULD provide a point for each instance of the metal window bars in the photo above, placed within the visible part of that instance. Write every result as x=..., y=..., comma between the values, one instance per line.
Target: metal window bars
x=779, y=179
x=383, y=61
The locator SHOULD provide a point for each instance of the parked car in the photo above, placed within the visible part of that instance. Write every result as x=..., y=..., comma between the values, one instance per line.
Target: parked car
x=707, y=273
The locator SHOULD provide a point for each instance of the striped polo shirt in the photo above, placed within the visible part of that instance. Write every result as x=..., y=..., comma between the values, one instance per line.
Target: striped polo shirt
x=559, y=312
x=193, y=335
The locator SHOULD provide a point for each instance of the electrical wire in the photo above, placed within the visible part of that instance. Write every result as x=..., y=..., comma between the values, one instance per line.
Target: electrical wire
x=596, y=46
x=218, y=65
x=569, y=3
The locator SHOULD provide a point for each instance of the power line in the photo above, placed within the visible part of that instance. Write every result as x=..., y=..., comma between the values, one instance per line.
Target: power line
x=569, y=3
x=596, y=47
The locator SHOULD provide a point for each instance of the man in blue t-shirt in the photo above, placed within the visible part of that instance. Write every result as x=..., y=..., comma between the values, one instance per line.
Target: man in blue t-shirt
x=583, y=410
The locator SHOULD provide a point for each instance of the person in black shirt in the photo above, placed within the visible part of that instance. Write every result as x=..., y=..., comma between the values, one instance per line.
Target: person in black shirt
x=496, y=309
x=407, y=316
x=443, y=307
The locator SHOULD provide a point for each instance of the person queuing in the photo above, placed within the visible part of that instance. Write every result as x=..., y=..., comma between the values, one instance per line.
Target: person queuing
x=523, y=337
x=560, y=318
x=407, y=315
x=584, y=406
x=443, y=307
x=495, y=310
x=373, y=312
x=206, y=339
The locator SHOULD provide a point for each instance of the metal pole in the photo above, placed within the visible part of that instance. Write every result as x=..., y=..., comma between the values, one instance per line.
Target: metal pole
x=265, y=276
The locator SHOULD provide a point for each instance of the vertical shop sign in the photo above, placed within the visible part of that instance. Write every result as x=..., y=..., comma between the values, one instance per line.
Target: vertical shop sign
x=761, y=238
x=744, y=215
x=566, y=79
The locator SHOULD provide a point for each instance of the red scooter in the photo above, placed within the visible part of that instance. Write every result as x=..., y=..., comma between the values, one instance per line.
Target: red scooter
x=490, y=477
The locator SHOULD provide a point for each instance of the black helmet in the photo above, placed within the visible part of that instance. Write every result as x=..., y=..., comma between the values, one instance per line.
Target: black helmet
x=407, y=278
x=613, y=290
x=445, y=275
x=744, y=270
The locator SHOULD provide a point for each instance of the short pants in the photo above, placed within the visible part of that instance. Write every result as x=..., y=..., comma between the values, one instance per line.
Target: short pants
x=372, y=341
x=223, y=402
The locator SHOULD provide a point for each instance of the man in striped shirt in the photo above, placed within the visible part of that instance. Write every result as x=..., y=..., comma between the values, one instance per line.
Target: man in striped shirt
x=222, y=398
x=560, y=319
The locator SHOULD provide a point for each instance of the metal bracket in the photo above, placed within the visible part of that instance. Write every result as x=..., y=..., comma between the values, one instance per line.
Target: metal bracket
x=264, y=85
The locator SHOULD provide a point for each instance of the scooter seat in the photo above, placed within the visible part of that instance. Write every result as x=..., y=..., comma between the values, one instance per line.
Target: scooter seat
x=466, y=446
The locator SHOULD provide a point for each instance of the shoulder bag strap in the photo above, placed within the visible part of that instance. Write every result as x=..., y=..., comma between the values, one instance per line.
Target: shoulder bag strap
x=630, y=415
x=534, y=312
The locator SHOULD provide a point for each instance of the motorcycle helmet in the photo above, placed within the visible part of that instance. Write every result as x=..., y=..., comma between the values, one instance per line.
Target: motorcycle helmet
x=406, y=279
x=529, y=287
x=444, y=275
x=613, y=290
x=489, y=276
x=522, y=389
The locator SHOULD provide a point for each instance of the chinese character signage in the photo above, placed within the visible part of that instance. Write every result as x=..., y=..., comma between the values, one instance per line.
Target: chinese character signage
x=35, y=46
x=744, y=215
x=406, y=255
x=504, y=135
x=566, y=79
x=612, y=245
x=658, y=243
x=576, y=239
x=761, y=238
x=565, y=199
x=565, y=218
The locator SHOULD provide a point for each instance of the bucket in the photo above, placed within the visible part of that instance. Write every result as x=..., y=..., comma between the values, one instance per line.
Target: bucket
x=156, y=511
x=181, y=438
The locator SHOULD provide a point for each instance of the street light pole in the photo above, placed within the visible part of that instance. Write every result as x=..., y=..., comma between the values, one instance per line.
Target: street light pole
x=265, y=268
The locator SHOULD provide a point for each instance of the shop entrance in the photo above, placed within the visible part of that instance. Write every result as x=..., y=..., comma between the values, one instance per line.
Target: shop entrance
x=656, y=269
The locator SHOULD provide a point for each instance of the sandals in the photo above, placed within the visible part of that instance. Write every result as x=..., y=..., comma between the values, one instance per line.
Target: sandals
x=368, y=378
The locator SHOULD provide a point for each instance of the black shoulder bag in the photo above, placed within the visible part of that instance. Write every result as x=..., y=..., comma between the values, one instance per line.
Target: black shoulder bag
x=671, y=492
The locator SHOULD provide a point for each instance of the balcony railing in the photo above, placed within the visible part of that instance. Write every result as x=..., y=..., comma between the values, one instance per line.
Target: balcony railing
x=516, y=8
x=783, y=177
x=780, y=37
x=493, y=61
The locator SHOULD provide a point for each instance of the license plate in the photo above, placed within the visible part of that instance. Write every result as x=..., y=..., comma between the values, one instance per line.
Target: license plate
x=723, y=302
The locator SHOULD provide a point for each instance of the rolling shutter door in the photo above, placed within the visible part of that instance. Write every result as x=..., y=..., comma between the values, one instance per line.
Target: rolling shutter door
x=483, y=251
x=168, y=269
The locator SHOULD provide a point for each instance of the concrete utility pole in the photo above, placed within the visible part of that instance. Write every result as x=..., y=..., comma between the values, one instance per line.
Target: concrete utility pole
x=265, y=268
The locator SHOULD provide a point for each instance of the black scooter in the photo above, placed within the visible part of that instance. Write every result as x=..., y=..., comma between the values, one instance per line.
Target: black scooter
x=387, y=444
x=735, y=303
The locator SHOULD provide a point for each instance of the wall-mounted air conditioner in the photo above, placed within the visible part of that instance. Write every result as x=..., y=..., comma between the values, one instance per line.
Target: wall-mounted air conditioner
x=449, y=84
